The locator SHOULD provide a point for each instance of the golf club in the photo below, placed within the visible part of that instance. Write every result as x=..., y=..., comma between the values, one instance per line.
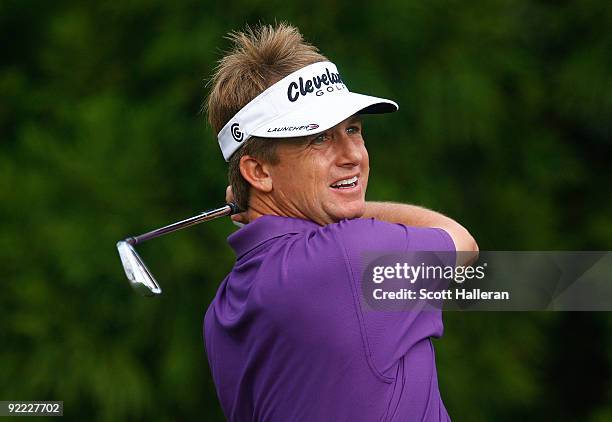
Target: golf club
x=136, y=270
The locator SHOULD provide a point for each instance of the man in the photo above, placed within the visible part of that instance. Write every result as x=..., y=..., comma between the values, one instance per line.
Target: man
x=287, y=336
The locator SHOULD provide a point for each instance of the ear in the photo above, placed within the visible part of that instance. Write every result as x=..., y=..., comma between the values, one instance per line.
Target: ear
x=256, y=172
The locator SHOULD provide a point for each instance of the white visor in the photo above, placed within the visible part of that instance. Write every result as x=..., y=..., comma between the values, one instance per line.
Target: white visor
x=308, y=101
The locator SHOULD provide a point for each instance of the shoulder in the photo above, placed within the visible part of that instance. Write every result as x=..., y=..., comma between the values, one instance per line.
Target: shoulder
x=371, y=234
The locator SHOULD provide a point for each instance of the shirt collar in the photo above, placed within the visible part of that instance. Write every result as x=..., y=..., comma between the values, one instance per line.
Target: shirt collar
x=265, y=228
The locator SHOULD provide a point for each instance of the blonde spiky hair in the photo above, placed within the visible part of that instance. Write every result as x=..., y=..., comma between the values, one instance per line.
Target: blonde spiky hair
x=259, y=58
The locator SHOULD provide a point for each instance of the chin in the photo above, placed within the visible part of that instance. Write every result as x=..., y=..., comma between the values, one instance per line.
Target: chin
x=350, y=212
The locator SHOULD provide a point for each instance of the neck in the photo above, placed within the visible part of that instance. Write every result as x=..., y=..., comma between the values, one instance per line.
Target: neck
x=260, y=205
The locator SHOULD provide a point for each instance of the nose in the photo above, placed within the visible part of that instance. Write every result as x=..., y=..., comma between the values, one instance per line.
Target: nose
x=350, y=150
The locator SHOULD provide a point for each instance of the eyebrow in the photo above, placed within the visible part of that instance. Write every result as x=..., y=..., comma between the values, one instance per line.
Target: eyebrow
x=354, y=119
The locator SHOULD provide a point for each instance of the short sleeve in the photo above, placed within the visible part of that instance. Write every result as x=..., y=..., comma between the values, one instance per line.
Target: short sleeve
x=389, y=335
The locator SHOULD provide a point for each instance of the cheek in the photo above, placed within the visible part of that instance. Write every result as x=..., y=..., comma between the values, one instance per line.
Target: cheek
x=305, y=180
x=366, y=157
x=366, y=162
x=287, y=181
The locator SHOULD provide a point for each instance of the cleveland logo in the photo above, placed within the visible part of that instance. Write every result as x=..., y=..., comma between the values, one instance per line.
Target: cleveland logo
x=315, y=84
x=311, y=126
x=236, y=133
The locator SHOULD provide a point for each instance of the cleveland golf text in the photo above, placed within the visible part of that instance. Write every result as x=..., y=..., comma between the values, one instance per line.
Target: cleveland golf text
x=295, y=89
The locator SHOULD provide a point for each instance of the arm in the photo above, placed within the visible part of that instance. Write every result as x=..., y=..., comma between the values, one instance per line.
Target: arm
x=411, y=215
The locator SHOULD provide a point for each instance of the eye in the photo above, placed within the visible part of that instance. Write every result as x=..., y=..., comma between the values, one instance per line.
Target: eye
x=353, y=130
x=319, y=139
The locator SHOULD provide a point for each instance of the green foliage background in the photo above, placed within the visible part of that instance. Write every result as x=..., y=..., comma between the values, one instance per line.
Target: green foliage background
x=505, y=122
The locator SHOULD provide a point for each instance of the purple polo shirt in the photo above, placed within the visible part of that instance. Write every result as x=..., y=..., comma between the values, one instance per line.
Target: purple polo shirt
x=288, y=339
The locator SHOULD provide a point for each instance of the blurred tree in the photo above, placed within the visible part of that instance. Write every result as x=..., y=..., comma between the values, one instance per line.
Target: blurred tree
x=505, y=107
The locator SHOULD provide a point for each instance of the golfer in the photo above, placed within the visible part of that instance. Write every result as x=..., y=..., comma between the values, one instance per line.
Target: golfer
x=286, y=336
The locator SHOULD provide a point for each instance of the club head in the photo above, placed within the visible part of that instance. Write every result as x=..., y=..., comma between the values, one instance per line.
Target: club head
x=136, y=271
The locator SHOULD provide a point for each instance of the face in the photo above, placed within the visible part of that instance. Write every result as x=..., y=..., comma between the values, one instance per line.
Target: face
x=324, y=178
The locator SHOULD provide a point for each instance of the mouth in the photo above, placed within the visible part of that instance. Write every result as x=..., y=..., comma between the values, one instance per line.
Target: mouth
x=349, y=183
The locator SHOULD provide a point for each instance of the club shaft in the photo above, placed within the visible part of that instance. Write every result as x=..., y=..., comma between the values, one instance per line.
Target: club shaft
x=227, y=209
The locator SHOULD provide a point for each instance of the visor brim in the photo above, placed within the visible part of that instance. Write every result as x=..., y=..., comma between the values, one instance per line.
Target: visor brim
x=307, y=120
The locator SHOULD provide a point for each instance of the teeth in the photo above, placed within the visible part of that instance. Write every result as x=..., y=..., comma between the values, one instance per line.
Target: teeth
x=346, y=182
